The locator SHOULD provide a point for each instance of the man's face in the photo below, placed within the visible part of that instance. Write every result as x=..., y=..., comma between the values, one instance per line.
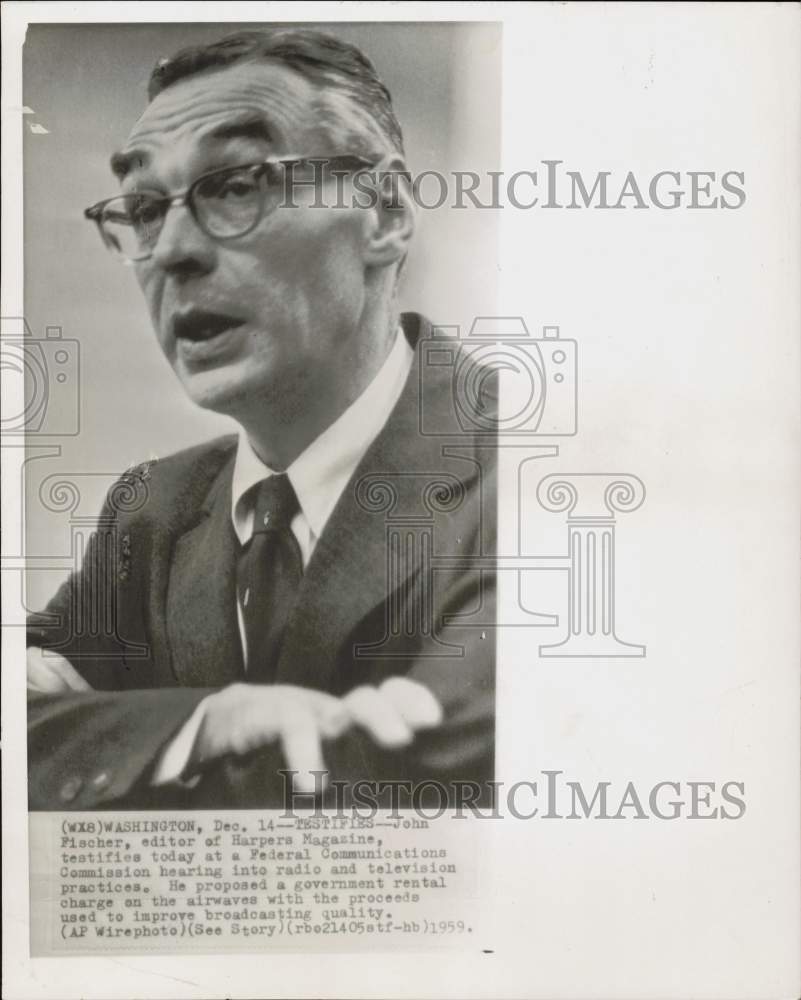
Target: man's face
x=276, y=310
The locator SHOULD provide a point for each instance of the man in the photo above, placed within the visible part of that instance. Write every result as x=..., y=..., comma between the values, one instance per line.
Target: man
x=264, y=616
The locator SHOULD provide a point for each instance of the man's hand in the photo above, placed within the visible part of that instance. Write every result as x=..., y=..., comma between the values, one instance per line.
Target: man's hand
x=244, y=717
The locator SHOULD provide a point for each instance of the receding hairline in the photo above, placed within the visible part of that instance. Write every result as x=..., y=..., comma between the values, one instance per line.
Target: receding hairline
x=257, y=124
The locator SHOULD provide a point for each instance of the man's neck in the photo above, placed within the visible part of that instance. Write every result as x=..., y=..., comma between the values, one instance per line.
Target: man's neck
x=280, y=433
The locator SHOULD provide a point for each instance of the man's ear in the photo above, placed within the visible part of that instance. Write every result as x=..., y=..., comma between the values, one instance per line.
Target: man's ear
x=391, y=215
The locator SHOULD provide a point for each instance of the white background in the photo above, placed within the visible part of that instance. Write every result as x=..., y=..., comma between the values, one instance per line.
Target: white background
x=688, y=330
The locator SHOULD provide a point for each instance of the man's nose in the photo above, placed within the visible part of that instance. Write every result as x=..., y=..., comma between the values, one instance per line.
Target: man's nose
x=182, y=249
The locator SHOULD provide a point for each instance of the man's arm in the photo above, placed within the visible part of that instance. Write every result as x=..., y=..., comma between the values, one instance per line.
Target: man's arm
x=98, y=718
x=90, y=749
x=230, y=723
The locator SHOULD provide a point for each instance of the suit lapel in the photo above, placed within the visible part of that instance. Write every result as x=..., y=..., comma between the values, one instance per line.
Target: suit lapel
x=347, y=576
x=201, y=595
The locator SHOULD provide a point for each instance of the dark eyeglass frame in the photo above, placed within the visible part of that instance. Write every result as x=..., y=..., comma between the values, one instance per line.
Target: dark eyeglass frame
x=186, y=197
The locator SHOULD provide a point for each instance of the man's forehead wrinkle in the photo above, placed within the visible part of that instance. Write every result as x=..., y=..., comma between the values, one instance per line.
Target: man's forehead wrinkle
x=245, y=125
x=272, y=100
x=202, y=119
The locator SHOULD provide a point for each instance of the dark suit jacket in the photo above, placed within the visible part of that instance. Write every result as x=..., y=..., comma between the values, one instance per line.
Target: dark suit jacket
x=161, y=575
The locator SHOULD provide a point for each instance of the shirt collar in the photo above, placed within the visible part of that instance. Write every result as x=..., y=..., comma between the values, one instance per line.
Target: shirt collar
x=321, y=472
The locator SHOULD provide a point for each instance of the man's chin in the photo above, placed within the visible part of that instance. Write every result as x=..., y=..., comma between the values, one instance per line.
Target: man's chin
x=217, y=389
x=232, y=390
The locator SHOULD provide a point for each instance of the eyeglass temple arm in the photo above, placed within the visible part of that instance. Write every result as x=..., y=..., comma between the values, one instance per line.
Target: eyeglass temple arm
x=94, y=212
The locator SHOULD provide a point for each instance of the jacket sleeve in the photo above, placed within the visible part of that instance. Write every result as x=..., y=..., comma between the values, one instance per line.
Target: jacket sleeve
x=97, y=749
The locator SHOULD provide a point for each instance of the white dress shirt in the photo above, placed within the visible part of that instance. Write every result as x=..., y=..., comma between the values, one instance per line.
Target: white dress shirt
x=318, y=476
x=320, y=473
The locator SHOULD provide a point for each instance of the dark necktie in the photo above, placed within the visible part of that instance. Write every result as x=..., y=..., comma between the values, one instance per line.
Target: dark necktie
x=268, y=575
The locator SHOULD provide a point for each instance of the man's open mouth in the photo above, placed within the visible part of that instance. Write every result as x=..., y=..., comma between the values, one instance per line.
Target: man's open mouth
x=198, y=325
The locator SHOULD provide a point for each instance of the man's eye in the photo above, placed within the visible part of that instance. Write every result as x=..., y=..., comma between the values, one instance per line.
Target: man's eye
x=145, y=213
x=231, y=186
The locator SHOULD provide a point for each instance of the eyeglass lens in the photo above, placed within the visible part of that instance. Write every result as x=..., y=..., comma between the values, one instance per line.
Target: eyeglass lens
x=225, y=204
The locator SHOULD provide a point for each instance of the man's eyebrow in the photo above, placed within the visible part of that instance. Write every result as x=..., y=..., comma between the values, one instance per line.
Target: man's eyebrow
x=121, y=163
x=248, y=126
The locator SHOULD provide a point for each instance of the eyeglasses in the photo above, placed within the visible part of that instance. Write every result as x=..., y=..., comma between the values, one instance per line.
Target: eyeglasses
x=225, y=203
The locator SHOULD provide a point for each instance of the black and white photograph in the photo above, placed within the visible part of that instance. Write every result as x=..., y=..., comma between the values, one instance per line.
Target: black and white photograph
x=305, y=602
